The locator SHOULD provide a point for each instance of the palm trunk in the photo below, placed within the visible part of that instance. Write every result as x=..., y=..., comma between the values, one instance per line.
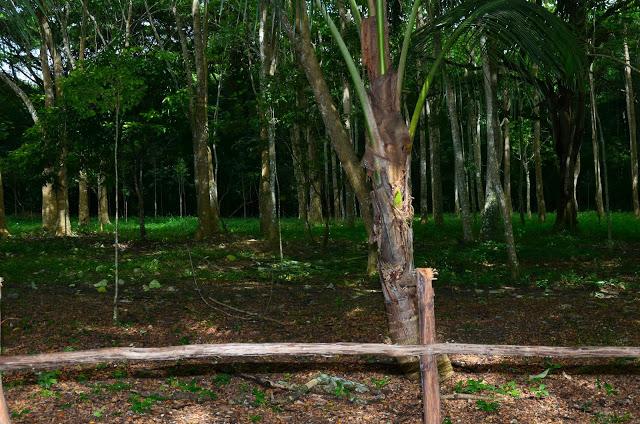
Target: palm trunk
x=633, y=134
x=594, y=143
x=460, y=177
x=83, y=199
x=3, y=221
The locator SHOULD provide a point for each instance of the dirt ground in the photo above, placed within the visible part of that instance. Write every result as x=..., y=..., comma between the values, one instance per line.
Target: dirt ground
x=64, y=317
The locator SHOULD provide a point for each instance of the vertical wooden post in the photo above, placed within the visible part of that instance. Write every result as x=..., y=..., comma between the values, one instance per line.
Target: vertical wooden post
x=427, y=335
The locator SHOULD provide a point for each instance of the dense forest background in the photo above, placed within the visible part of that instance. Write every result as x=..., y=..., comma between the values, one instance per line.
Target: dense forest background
x=156, y=142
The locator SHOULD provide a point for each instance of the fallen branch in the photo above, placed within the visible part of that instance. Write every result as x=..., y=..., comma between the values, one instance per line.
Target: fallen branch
x=173, y=353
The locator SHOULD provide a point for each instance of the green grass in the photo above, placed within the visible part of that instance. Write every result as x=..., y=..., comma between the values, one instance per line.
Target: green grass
x=548, y=259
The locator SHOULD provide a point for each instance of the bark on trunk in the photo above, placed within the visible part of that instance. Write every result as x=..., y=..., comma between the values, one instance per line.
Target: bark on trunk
x=495, y=199
x=460, y=177
x=566, y=107
x=298, y=171
x=424, y=189
x=138, y=187
x=207, y=203
x=474, y=126
x=83, y=199
x=433, y=121
x=493, y=189
x=633, y=134
x=337, y=203
x=506, y=136
x=349, y=198
x=103, y=202
x=537, y=161
x=267, y=201
x=315, y=186
x=594, y=143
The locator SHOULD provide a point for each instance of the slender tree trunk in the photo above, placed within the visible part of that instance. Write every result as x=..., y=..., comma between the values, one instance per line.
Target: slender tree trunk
x=298, y=171
x=537, y=160
x=495, y=198
x=103, y=202
x=207, y=204
x=474, y=125
x=594, y=143
x=506, y=135
x=424, y=189
x=83, y=199
x=493, y=189
x=268, y=57
x=434, y=161
x=576, y=175
x=349, y=198
x=633, y=133
x=460, y=177
x=3, y=221
x=138, y=187
x=315, y=182
x=337, y=204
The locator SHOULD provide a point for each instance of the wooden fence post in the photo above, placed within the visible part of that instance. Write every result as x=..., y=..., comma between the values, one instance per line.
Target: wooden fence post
x=427, y=335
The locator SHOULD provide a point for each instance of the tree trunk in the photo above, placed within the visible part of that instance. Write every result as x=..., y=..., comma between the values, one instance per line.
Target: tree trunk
x=633, y=134
x=506, y=136
x=315, y=182
x=566, y=107
x=268, y=56
x=298, y=171
x=576, y=175
x=3, y=221
x=337, y=204
x=474, y=126
x=83, y=199
x=49, y=206
x=460, y=177
x=349, y=198
x=424, y=189
x=433, y=122
x=495, y=199
x=594, y=143
x=137, y=184
x=493, y=189
x=103, y=202
x=537, y=160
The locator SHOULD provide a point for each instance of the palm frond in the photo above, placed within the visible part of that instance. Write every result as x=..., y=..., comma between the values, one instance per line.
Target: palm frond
x=522, y=28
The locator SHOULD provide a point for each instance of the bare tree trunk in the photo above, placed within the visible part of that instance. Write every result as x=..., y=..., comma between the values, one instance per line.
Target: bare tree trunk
x=138, y=187
x=298, y=171
x=506, y=136
x=460, y=178
x=103, y=202
x=494, y=194
x=207, y=205
x=315, y=182
x=337, y=204
x=267, y=37
x=3, y=221
x=349, y=198
x=527, y=176
x=474, y=126
x=537, y=159
x=594, y=143
x=424, y=189
x=83, y=199
x=434, y=161
x=633, y=133
x=576, y=175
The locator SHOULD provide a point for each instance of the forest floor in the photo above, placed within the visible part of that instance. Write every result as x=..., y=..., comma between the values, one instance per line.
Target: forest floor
x=574, y=290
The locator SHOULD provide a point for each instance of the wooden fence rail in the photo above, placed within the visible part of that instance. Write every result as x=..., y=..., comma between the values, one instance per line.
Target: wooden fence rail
x=426, y=352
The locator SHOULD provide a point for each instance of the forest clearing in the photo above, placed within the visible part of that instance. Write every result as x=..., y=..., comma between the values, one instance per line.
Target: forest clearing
x=279, y=211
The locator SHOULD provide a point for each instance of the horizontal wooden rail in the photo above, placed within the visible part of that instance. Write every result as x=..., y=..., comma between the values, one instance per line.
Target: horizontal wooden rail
x=172, y=353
